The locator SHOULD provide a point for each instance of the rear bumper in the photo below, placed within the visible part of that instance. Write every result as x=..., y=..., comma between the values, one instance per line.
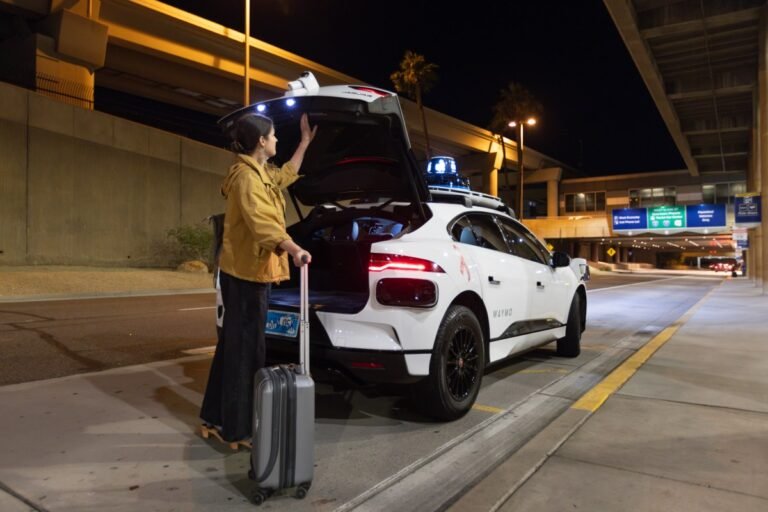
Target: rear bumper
x=358, y=366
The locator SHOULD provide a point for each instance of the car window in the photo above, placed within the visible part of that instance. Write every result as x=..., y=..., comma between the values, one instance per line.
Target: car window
x=521, y=243
x=537, y=245
x=486, y=232
x=461, y=231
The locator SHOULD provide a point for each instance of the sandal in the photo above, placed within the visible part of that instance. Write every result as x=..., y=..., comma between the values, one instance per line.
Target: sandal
x=207, y=430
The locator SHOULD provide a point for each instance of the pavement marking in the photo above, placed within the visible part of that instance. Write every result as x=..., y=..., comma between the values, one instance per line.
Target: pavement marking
x=200, y=350
x=593, y=290
x=546, y=370
x=596, y=397
x=197, y=309
x=487, y=408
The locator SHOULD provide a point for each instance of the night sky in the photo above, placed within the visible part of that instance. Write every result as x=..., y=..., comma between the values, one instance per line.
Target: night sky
x=598, y=115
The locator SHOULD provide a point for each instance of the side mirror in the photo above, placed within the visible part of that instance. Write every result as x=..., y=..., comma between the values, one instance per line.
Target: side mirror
x=560, y=259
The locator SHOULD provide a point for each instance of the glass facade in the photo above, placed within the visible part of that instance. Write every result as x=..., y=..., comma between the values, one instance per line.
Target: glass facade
x=657, y=196
x=585, y=202
x=722, y=193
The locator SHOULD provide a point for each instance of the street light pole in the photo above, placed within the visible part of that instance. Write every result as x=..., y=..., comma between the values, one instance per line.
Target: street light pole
x=520, y=150
x=247, y=59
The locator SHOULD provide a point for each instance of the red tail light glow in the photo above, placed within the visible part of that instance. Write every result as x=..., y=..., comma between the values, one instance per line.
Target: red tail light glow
x=371, y=90
x=381, y=262
x=367, y=365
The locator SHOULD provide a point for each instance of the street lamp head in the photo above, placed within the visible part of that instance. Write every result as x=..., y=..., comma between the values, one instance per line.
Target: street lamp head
x=530, y=122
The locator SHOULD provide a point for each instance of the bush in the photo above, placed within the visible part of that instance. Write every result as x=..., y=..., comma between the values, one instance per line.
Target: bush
x=192, y=242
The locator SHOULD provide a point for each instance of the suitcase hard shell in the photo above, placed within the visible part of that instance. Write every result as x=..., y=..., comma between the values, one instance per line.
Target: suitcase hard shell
x=283, y=450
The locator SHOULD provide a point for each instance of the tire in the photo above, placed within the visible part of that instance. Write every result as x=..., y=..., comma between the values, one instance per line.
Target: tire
x=457, y=365
x=570, y=344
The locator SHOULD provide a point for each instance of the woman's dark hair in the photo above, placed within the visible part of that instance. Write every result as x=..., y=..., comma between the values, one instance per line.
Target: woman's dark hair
x=247, y=130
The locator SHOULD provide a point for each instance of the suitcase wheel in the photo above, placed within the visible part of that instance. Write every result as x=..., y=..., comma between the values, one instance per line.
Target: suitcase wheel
x=259, y=497
x=301, y=491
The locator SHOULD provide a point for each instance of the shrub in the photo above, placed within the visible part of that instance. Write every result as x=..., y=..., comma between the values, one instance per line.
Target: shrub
x=192, y=242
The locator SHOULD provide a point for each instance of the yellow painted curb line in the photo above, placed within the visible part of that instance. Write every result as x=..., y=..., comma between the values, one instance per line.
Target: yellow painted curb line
x=487, y=408
x=595, y=397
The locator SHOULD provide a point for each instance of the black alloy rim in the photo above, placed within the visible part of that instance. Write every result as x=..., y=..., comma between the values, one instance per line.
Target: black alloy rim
x=462, y=364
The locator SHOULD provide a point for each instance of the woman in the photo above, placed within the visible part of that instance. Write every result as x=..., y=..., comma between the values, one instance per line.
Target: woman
x=254, y=254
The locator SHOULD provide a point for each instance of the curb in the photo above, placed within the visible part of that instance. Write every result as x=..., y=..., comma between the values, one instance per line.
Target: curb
x=103, y=295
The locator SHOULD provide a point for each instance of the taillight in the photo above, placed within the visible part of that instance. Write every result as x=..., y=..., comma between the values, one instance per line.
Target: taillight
x=413, y=293
x=380, y=262
x=371, y=90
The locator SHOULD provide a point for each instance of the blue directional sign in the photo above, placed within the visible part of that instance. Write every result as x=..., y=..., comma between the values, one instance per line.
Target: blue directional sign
x=746, y=209
x=630, y=219
x=705, y=215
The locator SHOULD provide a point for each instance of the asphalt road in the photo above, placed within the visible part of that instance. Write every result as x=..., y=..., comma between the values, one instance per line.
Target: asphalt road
x=46, y=339
x=366, y=440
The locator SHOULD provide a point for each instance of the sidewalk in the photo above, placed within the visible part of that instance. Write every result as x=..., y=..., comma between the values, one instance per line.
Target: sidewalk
x=51, y=282
x=687, y=432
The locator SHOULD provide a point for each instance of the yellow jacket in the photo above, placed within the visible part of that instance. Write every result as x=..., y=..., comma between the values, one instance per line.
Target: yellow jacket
x=254, y=221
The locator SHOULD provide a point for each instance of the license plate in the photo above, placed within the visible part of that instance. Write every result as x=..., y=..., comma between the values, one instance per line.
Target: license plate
x=282, y=323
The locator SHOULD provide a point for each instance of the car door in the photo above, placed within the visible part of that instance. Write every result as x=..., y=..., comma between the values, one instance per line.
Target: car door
x=503, y=277
x=548, y=290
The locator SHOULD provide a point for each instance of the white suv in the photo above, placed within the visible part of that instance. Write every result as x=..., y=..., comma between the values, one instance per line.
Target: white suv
x=408, y=284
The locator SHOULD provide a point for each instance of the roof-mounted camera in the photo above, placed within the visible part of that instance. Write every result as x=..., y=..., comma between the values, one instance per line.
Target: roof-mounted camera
x=304, y=85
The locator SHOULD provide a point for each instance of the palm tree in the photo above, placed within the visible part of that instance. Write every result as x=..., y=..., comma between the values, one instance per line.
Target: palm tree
x=515, y=103
x=415, y=78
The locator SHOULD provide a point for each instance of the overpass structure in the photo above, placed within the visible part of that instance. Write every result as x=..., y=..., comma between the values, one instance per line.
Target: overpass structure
x=152, y=50
x=704, y=63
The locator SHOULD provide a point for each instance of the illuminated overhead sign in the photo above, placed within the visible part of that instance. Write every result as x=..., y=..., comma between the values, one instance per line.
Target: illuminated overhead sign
x=705, y=215
x=666, y=217
x=746, y=208
x=630, y=219
x=703, y=218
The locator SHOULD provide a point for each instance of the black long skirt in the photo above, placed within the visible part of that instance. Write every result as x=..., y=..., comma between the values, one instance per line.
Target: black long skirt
x=240, y=352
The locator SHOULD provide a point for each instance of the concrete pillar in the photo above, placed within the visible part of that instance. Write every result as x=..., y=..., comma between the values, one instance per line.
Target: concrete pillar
x=594, y=252
x=762, y=125
x=624, y=251
x=491, y=183
x=553, y=199
x=759, y=258
x=753, y=170
x=59, y=58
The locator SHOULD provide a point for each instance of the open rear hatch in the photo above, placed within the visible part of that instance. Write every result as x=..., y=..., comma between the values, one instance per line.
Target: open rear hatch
x=360, y=154
x=361, y=150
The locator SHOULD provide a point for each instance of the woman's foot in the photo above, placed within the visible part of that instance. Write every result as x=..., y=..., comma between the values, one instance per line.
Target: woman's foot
x=207, y=430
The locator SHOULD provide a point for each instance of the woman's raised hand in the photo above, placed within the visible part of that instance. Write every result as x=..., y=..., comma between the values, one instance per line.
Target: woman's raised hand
x=307, y=133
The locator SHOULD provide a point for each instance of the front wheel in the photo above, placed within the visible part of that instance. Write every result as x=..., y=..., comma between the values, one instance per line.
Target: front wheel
x=570, y=344
x=457, y=365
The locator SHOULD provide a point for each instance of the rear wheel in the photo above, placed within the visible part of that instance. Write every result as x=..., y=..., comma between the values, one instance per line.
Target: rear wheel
x=570, y=344
x=457, y=365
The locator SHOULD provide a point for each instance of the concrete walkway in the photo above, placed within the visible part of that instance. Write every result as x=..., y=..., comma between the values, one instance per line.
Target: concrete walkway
x=687, y=432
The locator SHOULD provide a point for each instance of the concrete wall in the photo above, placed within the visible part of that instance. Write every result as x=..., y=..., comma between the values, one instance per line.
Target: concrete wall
x=83, y=187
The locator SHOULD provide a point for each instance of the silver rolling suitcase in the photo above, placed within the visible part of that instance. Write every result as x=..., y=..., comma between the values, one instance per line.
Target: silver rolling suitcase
x=283, y=453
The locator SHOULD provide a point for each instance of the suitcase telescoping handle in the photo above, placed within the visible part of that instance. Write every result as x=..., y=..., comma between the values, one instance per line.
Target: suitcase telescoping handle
x=304, y=317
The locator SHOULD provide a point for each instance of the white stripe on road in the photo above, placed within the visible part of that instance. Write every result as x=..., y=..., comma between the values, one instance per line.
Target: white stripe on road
x=631, y=284
x=197, y=309
x=200, y=350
